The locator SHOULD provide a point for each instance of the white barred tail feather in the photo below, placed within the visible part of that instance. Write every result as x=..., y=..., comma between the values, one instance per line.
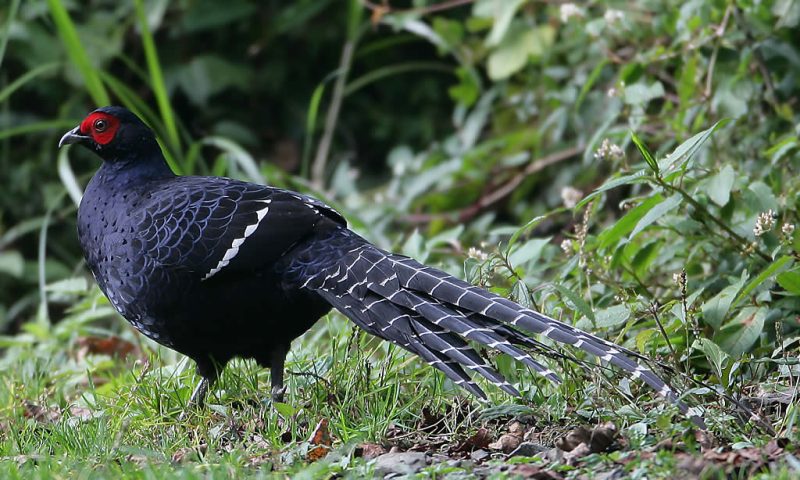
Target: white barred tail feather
x=432, y=314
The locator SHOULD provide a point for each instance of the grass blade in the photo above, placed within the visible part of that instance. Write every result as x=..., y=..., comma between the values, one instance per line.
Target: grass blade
x=157, y=77
x=76, y=52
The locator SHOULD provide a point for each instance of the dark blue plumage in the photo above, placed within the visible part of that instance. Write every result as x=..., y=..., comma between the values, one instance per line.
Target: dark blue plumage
x=217, y=268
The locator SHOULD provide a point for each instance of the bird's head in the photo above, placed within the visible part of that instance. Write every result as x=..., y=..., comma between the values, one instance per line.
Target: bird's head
x=111, y=132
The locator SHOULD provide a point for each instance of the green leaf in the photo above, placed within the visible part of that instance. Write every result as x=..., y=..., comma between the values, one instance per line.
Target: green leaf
x=648, y=157
x=503, y=12
x=530, y=250
x=760, y=197
x=521, y=43
x=774, y=267
x=716, y=357
x=612, y=316
x=655, y=213
x=741, y=333
x=628, y=222
x=719, y=187
x=686, y=150
x=12, y=263
x=790, y=281
x=284, y=409
x=577, y=302
x=641, y=94
x=68, y=285
x=638, y=177
x=716, y=308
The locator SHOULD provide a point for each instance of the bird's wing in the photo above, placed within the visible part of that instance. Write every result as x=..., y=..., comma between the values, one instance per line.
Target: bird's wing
x=217, y=226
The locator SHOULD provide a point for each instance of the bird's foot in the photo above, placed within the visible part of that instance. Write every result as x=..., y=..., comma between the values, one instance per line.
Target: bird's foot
x=278, y=394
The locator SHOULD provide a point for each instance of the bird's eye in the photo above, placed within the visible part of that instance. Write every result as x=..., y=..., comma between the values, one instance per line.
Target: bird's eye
x=100, y=125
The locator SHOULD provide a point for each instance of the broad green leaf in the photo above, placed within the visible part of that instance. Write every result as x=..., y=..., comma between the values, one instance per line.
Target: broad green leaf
x=520, y=44
x=790, y=281
x=716, y=308
x=655, y=213
x=641, y=94
x=760, y=197
x=503, y=12
x=530, y=250
x=716, y=357
x=12, y=263
x=68, y=285
x=628, y=222
x=611, y=316
x=741, y=333
x=719, y=187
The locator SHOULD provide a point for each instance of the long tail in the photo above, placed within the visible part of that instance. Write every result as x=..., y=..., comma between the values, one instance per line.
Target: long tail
x=432, y=314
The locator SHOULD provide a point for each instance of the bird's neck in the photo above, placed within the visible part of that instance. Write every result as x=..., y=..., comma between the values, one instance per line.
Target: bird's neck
x=132, y=169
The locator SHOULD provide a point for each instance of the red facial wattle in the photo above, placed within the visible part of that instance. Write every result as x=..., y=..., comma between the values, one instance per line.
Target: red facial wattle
x=104, y=136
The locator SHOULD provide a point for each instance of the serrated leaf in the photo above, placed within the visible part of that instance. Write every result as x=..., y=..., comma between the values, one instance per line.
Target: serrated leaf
x=741, y=333
x=719, y=187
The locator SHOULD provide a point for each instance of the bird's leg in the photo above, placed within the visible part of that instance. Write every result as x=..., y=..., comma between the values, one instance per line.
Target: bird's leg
x=277, y=361
x=208, y=376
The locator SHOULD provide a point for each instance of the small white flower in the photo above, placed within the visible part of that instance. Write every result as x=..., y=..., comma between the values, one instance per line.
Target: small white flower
x=613, y=16
x=566, y=246
x=787, y=229
x=609, y=151
x=477, y=254
x=571, y=196
x=569, y=10
x=764, y=223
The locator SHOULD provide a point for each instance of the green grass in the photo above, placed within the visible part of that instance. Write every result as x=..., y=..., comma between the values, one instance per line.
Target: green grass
x=68, y=412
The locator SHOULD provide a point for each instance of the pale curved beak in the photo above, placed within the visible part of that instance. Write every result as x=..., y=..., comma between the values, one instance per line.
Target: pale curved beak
x=73, y=136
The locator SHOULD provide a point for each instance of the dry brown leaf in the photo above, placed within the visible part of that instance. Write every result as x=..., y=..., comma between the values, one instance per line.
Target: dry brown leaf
x=319, y=442
x=369, y=450
x=112, y=346
x=481, y=439
x=535, y=473
x=506, y=443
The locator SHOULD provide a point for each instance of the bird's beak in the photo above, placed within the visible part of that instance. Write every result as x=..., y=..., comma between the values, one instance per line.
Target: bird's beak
x=73, y=136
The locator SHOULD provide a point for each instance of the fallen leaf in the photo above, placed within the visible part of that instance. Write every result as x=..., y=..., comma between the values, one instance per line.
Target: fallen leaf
x=580, y=451
x=481, y=439
x=319, y=442
x=535, y=473
x=112, y=346
x=506, y=443
x=597, y=440
x=369, y=451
